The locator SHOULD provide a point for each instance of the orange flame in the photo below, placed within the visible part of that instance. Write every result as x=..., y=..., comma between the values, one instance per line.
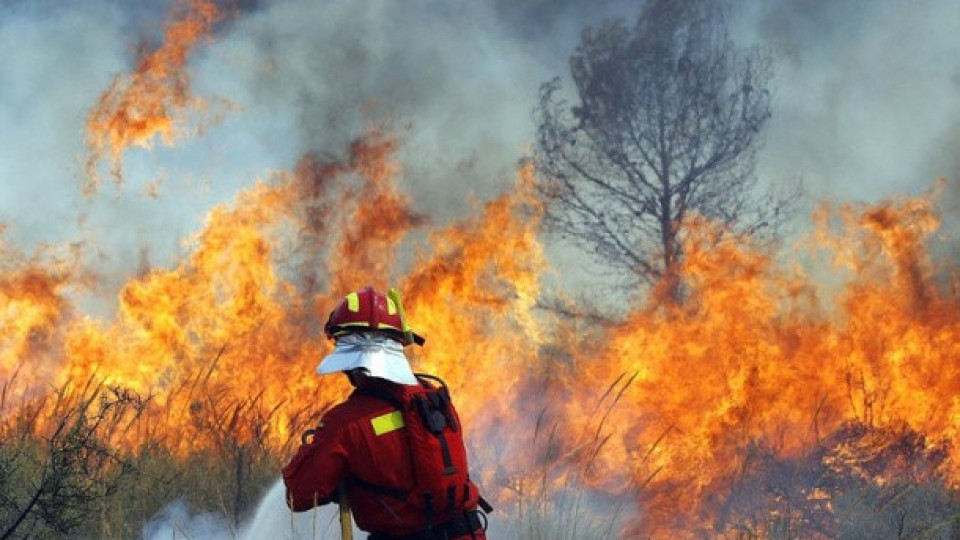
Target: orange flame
x=35, y=307
x=227, y=324
x=145, y=104
x=752, y=357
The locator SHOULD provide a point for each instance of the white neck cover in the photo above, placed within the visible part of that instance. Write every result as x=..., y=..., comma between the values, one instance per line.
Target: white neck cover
x=381, y=356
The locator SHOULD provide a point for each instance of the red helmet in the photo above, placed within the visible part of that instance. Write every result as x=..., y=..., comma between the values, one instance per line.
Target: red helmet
x=367, y=310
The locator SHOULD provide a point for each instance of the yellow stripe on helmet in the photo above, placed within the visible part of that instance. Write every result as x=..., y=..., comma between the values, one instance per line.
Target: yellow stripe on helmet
x=365, y=324
x=394, y=295
x=353, y=302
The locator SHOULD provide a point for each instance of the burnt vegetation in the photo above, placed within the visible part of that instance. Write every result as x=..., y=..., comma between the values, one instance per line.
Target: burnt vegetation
x=862, y=482
x=667, y=118
x=88, y=461
x=58, y=459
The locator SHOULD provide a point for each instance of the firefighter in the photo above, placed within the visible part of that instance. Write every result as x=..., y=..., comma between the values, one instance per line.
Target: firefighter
x=394, y=447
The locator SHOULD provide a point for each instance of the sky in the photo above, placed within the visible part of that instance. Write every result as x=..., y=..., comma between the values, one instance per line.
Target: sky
x=866, y=103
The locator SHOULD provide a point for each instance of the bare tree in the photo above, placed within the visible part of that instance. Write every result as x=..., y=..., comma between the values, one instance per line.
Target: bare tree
x=668, y=123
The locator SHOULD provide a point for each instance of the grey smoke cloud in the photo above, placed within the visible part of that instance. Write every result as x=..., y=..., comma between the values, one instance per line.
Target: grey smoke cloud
x=866, y=94
x=461, y=78
x=866, y=100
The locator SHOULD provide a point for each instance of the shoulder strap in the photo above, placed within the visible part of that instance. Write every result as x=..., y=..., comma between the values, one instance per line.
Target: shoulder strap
x=382, y=395
x=425, y=378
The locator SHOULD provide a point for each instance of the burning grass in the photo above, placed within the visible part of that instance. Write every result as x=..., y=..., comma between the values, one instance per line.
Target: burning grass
x=762, y=406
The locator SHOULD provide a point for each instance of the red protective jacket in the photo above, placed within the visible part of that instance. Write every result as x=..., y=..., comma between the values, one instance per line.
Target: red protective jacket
x=346, y=446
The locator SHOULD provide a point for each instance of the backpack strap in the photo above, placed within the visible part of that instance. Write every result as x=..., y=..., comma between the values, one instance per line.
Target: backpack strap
x=382, y=395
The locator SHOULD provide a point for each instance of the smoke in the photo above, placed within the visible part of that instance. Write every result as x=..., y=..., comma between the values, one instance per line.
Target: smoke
x=866, y=94
x=272, y=519
x=460, y=88
x=594, y=516
x=866, y=103
x=176, y=520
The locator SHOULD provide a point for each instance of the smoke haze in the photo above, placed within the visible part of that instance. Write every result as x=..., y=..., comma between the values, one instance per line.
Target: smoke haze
x=866, y=102
x=866, y=106
x=866, y=94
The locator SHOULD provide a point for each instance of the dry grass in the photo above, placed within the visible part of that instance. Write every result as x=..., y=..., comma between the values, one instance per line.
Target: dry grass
x=66, y=470
x=63, y=475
